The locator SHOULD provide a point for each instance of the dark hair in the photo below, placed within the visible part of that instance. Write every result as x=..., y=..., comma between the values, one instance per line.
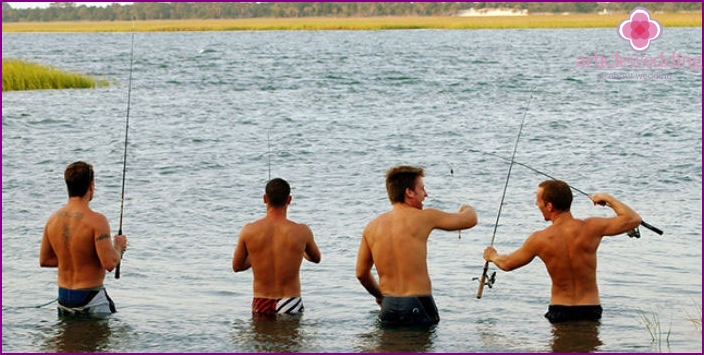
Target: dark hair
x=277, y=192
x=558, y=193
x=400, y=178
x=78, y=177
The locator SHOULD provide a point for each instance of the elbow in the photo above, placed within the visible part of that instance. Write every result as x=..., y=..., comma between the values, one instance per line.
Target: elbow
x=637, y=220
x=47, y=263
x=473, y=222
x=237, y=267
x=363, y=276
x=110, y=267
x=316, y=259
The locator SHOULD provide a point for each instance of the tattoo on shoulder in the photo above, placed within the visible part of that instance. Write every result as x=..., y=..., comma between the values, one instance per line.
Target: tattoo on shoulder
x=101, y=237
x=65, y=214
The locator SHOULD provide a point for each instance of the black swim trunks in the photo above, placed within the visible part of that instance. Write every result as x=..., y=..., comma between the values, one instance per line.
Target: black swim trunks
x=408, y=311
x=558, y=314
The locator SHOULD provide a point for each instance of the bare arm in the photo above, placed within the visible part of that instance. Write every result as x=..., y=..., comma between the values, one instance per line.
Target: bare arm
x=465, y=218
x=625, y=220
x=312, y=253
x=507, y=262
x=47, y=256
x=364, y=271
x=240, y=259
x=109, y=251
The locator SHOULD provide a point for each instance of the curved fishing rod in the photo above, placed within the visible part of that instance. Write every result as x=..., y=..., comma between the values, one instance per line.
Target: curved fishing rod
x=642, y=223
x=124, y=159
x=484, y=277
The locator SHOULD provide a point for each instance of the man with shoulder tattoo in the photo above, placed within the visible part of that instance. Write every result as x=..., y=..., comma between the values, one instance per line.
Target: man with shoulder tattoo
x=77, y=241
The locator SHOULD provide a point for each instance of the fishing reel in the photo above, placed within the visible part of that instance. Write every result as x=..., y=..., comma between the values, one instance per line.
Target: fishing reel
x=634, y=233
x=489, y=281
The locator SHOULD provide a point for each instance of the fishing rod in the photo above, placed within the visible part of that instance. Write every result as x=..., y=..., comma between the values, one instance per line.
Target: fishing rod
x=489, y=280
x=452, y=173
x=124, y=159
x=633, y=233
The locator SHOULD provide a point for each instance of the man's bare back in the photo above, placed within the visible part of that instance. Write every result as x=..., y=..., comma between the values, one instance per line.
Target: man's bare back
x=568, y=249
x=77, y=241
x=397, y=241
x=276, y=248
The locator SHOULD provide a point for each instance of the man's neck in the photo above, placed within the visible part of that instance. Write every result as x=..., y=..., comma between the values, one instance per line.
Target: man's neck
x=561, y=216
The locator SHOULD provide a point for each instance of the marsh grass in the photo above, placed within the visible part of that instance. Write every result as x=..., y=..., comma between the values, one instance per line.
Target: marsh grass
x=653, y=324
x=21, y=75
x=697, y=319
x=355, y=23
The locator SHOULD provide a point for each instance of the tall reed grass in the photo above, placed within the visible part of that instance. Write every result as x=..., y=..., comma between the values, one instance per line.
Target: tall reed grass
x=21, y=75
x=653, y=324
x=355, y=23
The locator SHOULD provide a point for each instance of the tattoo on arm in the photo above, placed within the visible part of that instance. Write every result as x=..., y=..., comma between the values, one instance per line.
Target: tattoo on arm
x=101, y=237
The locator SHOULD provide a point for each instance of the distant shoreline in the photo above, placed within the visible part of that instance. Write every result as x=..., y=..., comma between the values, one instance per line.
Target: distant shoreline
x=693, y=19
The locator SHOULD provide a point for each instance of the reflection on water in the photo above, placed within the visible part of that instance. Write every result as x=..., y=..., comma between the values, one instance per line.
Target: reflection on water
x=398, y=340
x=270, y=334
x=79, y=335
x=576, y=337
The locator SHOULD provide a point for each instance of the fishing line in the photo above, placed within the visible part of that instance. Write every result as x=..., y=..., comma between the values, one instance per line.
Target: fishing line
x=39, y=306
x=268, y=150
x=635, y=233
x=490, y=280
x=452, y=173
x=124, y=159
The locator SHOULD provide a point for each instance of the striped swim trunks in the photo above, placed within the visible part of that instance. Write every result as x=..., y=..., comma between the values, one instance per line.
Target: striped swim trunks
x=273, y=306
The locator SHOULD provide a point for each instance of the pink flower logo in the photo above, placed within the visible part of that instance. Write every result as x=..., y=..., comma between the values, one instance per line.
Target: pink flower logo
x=639, y=29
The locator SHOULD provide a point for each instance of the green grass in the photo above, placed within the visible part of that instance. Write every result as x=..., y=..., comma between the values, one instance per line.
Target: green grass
x=21, y=75
x=653, y=325
x=693, y=19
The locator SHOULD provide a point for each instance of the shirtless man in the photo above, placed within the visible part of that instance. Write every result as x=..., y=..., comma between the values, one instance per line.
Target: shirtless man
x=568, y=248
x=77, y=241
x=396, y=242
x=274, y=248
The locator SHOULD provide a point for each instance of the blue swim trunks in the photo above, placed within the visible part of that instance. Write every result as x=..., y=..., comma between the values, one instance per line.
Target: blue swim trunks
x=93, y=302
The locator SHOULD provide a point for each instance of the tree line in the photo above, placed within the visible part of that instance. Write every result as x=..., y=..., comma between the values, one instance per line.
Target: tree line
x=69, y=11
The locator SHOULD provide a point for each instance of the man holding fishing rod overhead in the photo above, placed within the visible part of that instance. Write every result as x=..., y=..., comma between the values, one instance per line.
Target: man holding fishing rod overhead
x=568, y=248
x=396, y=242
x=77, y=241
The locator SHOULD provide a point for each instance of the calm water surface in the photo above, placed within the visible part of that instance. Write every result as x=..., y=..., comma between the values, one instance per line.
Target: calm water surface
x=212, y=113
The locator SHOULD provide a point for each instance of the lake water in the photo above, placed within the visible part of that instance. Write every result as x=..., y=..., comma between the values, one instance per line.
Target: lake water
x=214, y=114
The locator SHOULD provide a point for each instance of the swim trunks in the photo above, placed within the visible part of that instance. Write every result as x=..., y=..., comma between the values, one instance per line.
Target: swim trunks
x=408, y=311
x=558, y=314
x=93, y=302
x=273, y=306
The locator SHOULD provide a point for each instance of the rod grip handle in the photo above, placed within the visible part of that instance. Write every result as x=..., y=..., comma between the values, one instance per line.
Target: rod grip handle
x=651, y=227
x=482, y=281
x=117, y=268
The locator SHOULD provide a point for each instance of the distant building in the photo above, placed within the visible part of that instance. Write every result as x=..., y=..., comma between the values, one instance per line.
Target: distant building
x=492, y=12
